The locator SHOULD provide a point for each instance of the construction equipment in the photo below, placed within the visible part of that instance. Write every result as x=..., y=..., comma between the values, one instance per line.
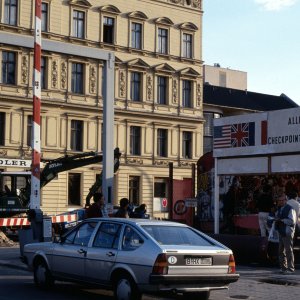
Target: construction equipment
x=15, y=187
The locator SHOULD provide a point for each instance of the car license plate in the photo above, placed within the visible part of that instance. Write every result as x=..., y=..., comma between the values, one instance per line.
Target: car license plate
x=198, y=261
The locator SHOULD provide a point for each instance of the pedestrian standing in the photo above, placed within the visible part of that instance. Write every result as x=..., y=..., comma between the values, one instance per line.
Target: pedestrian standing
x=285, y=222
x=97, y=209
x=292, y=201
x=123, y=210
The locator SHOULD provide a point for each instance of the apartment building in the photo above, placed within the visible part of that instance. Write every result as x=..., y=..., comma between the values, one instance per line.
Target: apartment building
x=157, y=47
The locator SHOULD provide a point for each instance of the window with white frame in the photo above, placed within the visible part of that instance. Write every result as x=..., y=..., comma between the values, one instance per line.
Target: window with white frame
x=135, y=86
x=29, y=130
x=77, y=78
x=45, y=11
x=136, y=35
x=8, y=67
x=187, y=45
x=11, y=12
x=187, y=144
x=163, y=40
x=108, y=30
x=76, y=135
x=162, y=142
x=135, y=140
x=186, y=93
x=134, y=189
x=78, y=24
x=162, y=90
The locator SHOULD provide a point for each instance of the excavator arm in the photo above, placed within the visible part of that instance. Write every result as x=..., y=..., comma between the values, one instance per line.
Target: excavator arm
x=67, y=162
x=98, y=183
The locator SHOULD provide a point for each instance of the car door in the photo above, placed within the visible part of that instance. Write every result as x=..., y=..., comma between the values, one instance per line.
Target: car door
x=69, y=255
x=102, y=254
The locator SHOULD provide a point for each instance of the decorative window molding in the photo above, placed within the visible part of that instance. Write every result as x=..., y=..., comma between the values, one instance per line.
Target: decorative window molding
x=80, y=3
x=137, y=15
x=164, y=21
x=188, y=72
x=110, y=9
x=164, y=68
x=137, y=64
x=188, y=26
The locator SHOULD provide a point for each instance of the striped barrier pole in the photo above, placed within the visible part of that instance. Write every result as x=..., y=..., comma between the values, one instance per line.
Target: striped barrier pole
x=36, y=142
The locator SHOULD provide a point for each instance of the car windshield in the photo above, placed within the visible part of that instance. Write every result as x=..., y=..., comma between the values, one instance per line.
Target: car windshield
x=173, y=235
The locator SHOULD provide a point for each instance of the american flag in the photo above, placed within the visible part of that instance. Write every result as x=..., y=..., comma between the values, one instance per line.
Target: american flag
x=234, y=135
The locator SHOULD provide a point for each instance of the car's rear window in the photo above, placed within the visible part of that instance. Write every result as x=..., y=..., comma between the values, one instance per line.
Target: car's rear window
x=172, y=235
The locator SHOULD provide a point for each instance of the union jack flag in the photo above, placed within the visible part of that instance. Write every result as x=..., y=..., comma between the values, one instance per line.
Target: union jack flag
x=234, y=135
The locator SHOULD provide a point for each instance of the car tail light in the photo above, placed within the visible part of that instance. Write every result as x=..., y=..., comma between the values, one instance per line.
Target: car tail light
x=161, y=265
x=231, y=264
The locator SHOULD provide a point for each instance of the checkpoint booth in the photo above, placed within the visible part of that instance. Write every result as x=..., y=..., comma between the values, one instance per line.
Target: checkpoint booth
x=257, y=144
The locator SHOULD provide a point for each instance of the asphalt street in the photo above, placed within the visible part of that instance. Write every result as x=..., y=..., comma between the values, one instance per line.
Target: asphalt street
x=256, y=282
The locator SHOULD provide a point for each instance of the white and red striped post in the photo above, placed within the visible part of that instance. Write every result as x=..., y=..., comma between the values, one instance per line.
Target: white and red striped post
x=36, y=139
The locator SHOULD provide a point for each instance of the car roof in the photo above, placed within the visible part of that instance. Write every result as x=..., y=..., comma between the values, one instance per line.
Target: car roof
x=142, y=221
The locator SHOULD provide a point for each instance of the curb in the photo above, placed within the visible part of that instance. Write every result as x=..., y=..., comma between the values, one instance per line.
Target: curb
x=13, y=265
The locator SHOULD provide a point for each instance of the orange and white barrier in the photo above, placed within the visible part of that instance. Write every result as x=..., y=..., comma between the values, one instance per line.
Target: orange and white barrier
x=18, y=222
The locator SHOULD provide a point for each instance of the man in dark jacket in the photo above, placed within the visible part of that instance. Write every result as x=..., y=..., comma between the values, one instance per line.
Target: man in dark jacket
x=95, y=210
x=123, y=210
x=285, y=222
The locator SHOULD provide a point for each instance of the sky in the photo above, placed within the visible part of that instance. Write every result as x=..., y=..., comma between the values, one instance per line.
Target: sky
x=260, y=37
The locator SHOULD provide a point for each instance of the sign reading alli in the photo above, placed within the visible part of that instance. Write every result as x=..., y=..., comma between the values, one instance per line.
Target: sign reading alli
x=17, y=163
x=258, y=133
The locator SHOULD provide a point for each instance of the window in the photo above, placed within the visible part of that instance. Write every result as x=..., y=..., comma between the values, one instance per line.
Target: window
x=8, y=67
x=208, y=130
x=161, y=90
x=11, y=12
x=29, y=130
x=186, y=93
x=81, y=235
x=222, y=79
x=160, y=188
x=172, y=235
x=108, y=236
x=76, y=135
x=136, y=35
x=187, y=45
x=162, y=40
x=44, y=25
x=108, y=30
x=134, y=189
x=2, y=128
x=135, y=140
x=131, y=239
x=74, y=189
x=135, y=86
x=187, y=144
x=77, y=78
x=78, y=24
x=43, y=72
x=162, y=142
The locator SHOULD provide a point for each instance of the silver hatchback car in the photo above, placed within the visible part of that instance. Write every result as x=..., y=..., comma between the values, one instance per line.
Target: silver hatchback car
x=134, y=256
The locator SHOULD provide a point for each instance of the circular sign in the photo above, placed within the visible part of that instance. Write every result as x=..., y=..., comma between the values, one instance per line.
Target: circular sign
x=179, y=207
x=172, y=260
x=164, y=202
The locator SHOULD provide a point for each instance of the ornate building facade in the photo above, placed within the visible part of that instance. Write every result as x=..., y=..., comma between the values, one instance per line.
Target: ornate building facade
x=157, y=46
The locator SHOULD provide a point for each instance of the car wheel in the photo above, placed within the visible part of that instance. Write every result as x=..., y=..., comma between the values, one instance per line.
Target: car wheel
x=126, y=289
x=42, y=275
x=198, y=296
